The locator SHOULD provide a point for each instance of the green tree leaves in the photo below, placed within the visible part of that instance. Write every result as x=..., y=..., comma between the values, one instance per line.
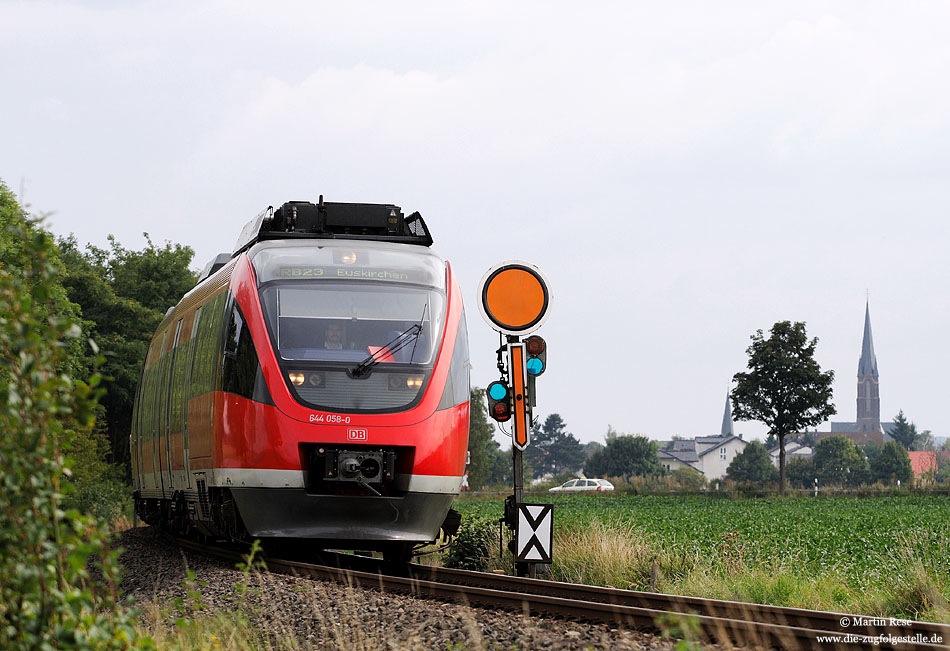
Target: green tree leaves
x=625, y=456
x=904, y=431
x=123, y=295
x=785, y=388
x=553, y=449
x=753, y=464
x=49, y=599
x=838, y=461
x=892, y=464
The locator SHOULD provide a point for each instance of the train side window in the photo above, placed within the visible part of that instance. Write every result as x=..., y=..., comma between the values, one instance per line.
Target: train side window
x=458, y=382
x=216, y=329
x=176, y=387
x=207, y=330
x=155, y=423
x=240, y=358
x=201, y=372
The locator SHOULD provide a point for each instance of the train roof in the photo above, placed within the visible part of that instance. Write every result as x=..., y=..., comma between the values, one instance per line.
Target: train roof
x=303, y=220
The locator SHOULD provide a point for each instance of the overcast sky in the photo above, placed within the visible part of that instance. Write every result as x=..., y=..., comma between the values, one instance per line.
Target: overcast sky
x=685, y=173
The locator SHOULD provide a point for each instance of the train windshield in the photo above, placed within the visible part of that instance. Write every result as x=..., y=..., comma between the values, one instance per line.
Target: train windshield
x=355, y=329
x=353, y=323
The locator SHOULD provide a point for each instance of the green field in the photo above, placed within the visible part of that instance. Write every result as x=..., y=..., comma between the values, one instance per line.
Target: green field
x=887, y=555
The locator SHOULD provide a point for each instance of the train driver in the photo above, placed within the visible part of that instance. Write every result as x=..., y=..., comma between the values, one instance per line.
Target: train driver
x=335, y=336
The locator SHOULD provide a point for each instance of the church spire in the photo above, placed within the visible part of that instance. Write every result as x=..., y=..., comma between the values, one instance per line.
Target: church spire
x=868, y=363
x=727, y=428
x=869, y=392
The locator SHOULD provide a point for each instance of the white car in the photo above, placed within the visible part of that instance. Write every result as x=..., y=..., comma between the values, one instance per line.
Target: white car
x=579, y=485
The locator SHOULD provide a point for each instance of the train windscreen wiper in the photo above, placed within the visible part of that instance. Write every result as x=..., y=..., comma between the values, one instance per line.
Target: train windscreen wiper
x=408, y=336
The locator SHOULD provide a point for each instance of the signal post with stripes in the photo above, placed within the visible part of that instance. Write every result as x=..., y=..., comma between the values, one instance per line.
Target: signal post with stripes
x=514, y=301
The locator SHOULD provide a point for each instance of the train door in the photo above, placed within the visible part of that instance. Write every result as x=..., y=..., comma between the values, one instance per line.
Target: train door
x=168, y=477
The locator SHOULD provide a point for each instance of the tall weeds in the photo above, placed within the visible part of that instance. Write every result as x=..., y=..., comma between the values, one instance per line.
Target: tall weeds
x=616, y=554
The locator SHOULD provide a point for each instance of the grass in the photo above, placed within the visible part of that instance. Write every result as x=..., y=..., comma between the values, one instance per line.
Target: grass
x=876, y=556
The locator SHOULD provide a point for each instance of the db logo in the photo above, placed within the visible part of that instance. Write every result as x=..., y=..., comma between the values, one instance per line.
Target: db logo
x=354, y=434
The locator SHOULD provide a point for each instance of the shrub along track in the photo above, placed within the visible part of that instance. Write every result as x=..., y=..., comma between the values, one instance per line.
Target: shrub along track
x=716, y=621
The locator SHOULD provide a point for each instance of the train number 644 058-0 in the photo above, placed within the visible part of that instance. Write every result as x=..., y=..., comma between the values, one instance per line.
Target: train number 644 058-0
x=323, y=315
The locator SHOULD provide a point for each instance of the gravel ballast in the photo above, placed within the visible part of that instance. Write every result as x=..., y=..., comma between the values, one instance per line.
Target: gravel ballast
x=309, y=613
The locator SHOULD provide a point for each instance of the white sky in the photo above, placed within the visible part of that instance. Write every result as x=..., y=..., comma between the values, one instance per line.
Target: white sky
x=684, y=173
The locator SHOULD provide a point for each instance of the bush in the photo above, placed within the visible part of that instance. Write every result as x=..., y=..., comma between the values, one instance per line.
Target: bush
x=105, y=499
x=892, y=464
x=48, y=595
x=753, y=464
x=689, y=478
x=473, y=546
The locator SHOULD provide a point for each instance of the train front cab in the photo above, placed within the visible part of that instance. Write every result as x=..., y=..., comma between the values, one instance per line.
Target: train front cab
x=357, y=446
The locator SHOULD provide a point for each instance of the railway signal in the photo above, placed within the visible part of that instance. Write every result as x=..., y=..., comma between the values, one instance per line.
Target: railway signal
x=537, y=350
x=514, y=301
x=499, y=401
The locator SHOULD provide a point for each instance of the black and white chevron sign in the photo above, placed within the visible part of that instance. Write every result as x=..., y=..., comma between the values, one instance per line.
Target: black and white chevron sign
x=535, y=533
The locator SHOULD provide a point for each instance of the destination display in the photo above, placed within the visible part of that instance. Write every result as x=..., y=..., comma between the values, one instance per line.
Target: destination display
x=362, y=273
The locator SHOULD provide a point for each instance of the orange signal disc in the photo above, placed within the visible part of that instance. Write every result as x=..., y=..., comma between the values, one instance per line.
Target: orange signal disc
x=515, y=298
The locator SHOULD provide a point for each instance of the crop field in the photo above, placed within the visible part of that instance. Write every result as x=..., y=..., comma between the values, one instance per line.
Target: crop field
x=886, y=555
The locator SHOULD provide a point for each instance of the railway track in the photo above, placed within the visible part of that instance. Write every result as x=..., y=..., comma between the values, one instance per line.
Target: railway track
x=717, y=621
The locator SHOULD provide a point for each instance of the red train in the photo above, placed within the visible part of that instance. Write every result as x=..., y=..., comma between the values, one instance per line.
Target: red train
x=314, y=384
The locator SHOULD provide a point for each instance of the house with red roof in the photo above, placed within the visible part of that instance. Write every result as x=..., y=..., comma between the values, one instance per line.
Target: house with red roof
x=923, y=462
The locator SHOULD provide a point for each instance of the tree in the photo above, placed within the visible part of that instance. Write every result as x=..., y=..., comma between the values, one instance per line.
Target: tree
x=904, y=432
x=626, y=456
x=482, y=446
x=501, y=468
x=892, y=464
x=785, y=388
x=49, y=597
x=85, y=443
x=592, y=448
x=943, y=469
x=753, y=464
x=123, y=295
x=801, y=472
x=838, y=461
x=924, y=441
x=870, y=449
x=553, y=449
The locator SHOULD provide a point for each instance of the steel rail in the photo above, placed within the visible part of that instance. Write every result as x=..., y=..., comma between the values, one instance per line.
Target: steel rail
x=797, y=617
x=718, y=621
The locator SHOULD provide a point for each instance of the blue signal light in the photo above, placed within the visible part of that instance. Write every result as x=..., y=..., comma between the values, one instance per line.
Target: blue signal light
x=535, y=366
x=497, y=391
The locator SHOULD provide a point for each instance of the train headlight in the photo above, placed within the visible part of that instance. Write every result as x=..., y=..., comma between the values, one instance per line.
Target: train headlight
x=296, y=378
x=405, y=382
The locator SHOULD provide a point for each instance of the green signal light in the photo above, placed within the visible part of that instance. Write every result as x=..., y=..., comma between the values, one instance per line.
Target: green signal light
x=497, y=391
x=535, y=366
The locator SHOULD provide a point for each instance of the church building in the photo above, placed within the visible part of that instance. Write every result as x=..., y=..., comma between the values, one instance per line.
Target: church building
x=868, y=426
